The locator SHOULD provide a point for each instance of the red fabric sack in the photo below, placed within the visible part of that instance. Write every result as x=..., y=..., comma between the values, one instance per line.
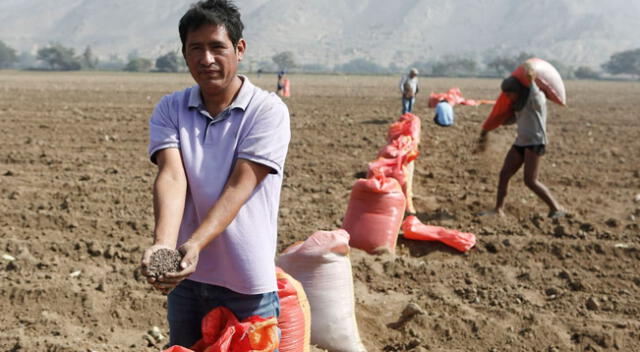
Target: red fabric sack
x=501, y=112
x=374, y=214
x=295, y=314
x=222, y=332
x=407, y=125
x=413, y=229
x=403, y=145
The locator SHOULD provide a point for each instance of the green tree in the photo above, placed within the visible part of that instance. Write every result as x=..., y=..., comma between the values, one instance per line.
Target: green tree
x=624, y=62
x=502, y=65
x=138, y=65
x=586, y=72
x=88, y=60
x=455, y=66
x=59, y=58
x=169, y=62
x=7, y=55
x=284, y=60
x=361, y=65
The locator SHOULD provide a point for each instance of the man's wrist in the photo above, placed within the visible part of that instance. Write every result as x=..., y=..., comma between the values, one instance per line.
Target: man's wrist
x=196, y=242
x=159, y=240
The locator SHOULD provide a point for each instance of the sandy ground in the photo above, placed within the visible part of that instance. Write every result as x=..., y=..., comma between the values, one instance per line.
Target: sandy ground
x=75, y=205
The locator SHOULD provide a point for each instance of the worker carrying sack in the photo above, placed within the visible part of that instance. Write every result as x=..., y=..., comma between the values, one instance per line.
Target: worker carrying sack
x=547, y=79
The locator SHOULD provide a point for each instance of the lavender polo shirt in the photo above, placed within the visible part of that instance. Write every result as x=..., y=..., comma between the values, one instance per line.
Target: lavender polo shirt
x=254, y=127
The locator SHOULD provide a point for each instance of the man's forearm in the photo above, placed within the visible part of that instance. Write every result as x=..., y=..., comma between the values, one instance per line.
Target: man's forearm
x=169, y=195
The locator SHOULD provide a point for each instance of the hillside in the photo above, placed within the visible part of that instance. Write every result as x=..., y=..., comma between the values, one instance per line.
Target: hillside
x=330, y=33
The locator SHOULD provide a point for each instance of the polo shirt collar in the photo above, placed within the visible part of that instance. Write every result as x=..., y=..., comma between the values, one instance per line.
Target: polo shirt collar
x=240, y=102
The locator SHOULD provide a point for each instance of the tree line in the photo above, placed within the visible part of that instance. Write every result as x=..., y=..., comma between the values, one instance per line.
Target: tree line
x=56, y=57
x=60, y=58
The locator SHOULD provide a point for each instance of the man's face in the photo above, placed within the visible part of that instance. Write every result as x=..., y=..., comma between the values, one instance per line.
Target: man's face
x=211, y=57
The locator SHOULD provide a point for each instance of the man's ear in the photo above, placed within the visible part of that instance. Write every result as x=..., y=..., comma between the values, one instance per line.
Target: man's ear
x=240, y=48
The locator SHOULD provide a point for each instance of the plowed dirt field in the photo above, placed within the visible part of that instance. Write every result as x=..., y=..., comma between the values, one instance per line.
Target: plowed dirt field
x=76, y=213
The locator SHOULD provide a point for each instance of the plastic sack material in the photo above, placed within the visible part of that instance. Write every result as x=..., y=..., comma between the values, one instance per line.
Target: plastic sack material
x=401, y=169
x=413, y=229
x=547, y=78
x=407, y=125
x=177, y=349
x=295, y=314
x=222, y=332
x=374, y=214
x=286, y=91
x=401, y=146
x=501, y=112
x=454, y=96
x=322, y=265
x=393, y=168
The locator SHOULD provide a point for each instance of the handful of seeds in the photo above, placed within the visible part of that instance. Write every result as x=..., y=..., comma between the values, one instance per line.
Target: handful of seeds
x=164, y=261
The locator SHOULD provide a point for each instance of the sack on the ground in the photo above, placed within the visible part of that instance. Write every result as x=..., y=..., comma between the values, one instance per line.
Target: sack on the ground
x=413, y=229
x=374, y=214
x=322, y=265
x=222, y=332
x=295, y=314
x=401, y=146
x=407, y=125
x=391, y=168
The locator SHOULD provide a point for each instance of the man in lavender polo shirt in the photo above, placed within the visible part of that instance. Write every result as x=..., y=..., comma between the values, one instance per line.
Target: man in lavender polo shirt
x=220, y=147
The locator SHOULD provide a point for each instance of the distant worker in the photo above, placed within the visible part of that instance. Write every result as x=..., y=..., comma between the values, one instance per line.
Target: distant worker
x=280, y=84
x=409, y=88
x=444, y=114
x=530, y=108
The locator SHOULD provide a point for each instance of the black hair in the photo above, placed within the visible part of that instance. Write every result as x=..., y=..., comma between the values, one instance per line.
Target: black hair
x=214, y=12
x=512, y=85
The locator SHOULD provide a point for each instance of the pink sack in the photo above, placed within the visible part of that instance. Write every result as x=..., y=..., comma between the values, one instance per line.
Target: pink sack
x=394, y=168
x=413, y=229
x=547, y=78
x=295, y=315
x=407, y=125
x=374, y=214
x=403, y=145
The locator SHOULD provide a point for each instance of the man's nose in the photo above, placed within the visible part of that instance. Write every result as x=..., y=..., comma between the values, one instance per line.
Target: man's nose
x=208, y=58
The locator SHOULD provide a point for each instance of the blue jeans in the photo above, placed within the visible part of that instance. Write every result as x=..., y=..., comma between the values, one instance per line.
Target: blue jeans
x=190, y=301
x=407, y=104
